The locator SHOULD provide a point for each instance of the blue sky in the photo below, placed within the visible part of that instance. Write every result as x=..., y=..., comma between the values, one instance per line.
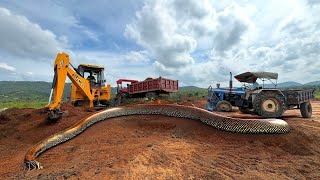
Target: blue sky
x=197, y=42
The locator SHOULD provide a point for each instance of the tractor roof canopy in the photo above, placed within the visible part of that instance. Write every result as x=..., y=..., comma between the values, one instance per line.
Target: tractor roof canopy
x=251, y=77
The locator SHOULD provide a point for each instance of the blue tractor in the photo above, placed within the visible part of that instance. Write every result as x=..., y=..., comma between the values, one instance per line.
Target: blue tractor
x=222, y=99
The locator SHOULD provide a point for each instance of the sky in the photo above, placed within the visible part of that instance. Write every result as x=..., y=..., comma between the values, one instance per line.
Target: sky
x=195, y=42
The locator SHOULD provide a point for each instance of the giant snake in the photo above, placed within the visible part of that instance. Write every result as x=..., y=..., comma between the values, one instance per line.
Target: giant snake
x=252, y=126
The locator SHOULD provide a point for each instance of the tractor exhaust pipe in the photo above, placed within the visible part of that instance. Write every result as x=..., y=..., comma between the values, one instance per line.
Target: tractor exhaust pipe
x=230, y=82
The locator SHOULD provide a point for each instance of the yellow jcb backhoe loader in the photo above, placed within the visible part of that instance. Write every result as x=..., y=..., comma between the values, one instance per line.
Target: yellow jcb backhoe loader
x=88, y=86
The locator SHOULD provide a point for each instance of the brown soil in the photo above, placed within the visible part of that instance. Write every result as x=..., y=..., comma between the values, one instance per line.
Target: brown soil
x=158, y=147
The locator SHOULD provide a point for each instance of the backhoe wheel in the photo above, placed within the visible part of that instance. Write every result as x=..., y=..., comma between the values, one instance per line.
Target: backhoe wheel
x=269, y=105
x=224, y=106
x=306, y=109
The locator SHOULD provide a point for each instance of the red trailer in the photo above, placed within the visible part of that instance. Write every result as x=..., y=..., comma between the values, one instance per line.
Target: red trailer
x=150, y=88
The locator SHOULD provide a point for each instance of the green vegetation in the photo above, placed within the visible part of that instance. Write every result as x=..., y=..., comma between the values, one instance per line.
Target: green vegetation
x=32, y=94
x=187, y=94
x=36, y=94
x=193, y=93
x=26, y=94
x=190, y=88
x=317, y=94
x=24, y=104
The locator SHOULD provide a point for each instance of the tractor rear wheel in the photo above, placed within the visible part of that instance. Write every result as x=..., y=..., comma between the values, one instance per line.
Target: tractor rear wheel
x=224, y=106
x=269, y=105
x=306, y=109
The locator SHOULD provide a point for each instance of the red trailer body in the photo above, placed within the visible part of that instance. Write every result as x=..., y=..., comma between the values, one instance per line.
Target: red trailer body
x=154, y=85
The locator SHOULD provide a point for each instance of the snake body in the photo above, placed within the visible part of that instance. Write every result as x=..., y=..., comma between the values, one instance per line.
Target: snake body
x=217, y=121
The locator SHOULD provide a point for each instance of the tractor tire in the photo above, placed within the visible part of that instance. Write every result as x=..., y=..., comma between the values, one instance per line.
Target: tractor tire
x=269, y=105
x=244, y=110
x=306, y=109
x=210, y=106
x=152, y=96
x=224, y=106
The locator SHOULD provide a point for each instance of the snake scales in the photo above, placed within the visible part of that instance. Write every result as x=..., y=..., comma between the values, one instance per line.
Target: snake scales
x=212, y=119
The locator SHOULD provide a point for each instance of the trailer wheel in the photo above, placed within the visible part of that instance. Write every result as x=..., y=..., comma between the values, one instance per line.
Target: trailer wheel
x=306, y=109
x=118, y=99
x=224, y=106
x=152, y=96
x=269, y=105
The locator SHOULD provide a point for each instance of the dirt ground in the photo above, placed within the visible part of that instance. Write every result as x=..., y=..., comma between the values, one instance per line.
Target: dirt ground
x=159, y=147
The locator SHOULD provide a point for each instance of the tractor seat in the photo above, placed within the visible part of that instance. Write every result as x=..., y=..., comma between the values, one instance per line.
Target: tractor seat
x=248, y=94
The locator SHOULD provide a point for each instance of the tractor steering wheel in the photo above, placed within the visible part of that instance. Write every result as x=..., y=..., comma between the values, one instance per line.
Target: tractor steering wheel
x=246, y=86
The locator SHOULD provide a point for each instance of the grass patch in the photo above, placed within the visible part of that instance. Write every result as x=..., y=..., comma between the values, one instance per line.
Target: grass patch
x=317, y=94
x=25, y=104
x=183, y=95
x=194, y=93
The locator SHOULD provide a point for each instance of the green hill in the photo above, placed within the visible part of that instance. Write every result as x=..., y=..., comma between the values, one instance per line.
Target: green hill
x=289, y=84
x=40, y=91
x=27, y=91
x=190, y=88
x=36, y=94
x=313, y=83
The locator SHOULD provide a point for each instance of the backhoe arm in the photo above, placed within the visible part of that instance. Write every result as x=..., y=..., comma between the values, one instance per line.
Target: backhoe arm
x=61, y=71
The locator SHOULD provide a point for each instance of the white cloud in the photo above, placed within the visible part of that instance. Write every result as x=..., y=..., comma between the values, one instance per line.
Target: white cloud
x=171, y=31
x=136, y=57
x=233, y=26
x=24, y=39
x=156, y=29
x=109, y=58
x=197, y=42
x=236, y=36
x=6, y=67
x=128, y=65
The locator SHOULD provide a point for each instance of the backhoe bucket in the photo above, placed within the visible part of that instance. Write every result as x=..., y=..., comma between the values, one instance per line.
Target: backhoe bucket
x=54, y=115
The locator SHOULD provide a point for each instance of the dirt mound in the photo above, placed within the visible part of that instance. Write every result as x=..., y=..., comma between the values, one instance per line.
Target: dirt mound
x=31, y=125
x=140, y=147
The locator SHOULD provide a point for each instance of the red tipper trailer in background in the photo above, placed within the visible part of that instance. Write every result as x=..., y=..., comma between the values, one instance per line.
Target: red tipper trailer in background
x=159, y=85
x=150, y=88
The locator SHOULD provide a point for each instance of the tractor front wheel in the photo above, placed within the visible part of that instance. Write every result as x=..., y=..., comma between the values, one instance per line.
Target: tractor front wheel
x=224, y=106
x=269, y=105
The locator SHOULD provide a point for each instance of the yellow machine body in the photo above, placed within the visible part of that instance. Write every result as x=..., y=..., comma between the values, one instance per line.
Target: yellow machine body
x=87, y=91
x=102, y=94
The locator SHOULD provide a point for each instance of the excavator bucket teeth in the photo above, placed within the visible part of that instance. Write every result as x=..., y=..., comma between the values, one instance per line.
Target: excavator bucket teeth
x=54, y=116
